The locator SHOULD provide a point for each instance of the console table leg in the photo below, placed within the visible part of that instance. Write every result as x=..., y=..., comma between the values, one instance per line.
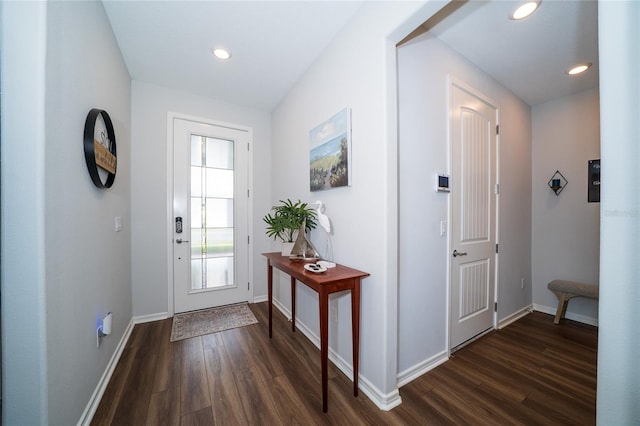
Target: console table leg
x=355, y=332
x=270, y=293
x=323, y=299
x=293, y=304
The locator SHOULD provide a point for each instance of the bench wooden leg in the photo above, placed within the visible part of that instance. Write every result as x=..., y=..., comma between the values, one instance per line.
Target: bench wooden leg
x=563, y=301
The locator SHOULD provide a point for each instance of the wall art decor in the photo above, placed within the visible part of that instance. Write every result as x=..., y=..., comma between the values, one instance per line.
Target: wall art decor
x=594, y=182
x=330, y=152
x=557, y=182
x=100, y=148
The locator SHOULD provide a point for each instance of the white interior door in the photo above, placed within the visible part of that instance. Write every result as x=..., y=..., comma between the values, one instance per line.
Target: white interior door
x=473, y=214
x=210, y=217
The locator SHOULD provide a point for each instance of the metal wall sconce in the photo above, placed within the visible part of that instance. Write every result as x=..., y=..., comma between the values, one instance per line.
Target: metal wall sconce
x=557, y=182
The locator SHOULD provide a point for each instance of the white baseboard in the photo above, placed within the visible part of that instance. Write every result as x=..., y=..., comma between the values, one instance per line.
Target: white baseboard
x=94, y=401
x=421, y=368
x=151, y=317
x=514, y=317
x=260, y=299
x=569, y=315
x=383, y=401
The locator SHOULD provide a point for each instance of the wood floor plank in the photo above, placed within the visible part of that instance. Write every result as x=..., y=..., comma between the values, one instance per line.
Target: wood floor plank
x=202, y=417
x=134, y=400
x=165, y=357
x=109, y=402
x=164, y=406
x=529, y=373
x=225, y=399
x=194, y=388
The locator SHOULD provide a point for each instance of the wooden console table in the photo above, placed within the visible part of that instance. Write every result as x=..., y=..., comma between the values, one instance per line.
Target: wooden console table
x=333, y=280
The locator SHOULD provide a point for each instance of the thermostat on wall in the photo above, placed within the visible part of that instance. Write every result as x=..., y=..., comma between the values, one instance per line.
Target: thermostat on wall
x=442, y=183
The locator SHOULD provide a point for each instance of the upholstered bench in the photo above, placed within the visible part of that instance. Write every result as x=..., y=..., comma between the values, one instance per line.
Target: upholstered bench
x=566, y=290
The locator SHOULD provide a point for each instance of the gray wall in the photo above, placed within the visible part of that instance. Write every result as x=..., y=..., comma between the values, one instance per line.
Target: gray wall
x=70, y=267
x=566, y=228
x=424, y=65
x=358, y=71
x=149, y=193
x=88, y=264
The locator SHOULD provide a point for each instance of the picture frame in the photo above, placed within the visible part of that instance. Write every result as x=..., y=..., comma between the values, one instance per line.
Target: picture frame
x=330, y=152
x=593, y=191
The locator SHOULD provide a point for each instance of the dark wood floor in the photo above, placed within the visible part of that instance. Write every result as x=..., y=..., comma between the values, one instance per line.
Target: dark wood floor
x=530, y=372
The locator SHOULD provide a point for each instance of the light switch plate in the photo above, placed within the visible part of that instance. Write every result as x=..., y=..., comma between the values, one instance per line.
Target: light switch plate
x=443, y=227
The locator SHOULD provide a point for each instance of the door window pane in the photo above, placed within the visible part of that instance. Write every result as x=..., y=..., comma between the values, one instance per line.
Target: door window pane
x=196, y=213
x=219, y=242
x=219, y=154
x=219, y=213
x=196, y=181
x=219, y=272
x=219, y=183
x=212, y=212
x=196, y=150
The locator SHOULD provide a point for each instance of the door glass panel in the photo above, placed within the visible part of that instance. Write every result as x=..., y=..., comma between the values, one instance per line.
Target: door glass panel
x=196, y=213
x=196, y=150
x=219, y=242
x=219, y=212
x=219, y=272
x=219, y=153
x=196, y=181
x=219, y=183
x=212, y=211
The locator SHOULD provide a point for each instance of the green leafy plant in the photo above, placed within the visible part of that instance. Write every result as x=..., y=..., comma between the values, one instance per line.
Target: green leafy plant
x=287, y=218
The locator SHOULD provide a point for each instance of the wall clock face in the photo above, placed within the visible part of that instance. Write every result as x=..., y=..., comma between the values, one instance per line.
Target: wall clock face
x=100, y=148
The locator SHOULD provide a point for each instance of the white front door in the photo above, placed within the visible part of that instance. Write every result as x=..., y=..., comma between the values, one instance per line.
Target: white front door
x=210, y=215
x=473, y=214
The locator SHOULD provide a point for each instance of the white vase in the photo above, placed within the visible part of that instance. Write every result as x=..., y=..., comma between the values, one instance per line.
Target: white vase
x=286, y=249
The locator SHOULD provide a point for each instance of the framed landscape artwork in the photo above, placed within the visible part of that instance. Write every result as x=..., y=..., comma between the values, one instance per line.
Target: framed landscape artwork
x=330, y=152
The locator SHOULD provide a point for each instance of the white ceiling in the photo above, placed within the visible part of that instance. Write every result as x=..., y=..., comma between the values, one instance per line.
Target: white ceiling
x=274, y=42
x=530, y=56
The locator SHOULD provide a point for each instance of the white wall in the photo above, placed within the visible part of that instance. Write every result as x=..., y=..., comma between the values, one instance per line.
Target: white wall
x=150, y=105
x=618, y=332
x=423, y=66
x=70, y=267
x=566, y=228
x=24, y=369
x=357, y=71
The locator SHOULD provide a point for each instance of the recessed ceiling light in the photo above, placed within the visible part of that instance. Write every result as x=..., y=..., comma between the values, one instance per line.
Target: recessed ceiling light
x=221, y=54
x=525, y=10
x=580, y=68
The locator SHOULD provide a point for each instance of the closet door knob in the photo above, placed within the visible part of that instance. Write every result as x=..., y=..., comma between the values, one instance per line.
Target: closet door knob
x=456, y=253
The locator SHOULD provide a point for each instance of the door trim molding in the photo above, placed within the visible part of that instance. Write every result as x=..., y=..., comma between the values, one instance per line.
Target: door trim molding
x=171, y=116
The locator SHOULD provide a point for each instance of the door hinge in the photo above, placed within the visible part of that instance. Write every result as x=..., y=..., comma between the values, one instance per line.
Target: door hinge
x=497, y=189
x=497, y=129
x=248, y=146
x=248, y=239
x=248, y=288
x=248, y=192
x=496, y=248
x=495, y=307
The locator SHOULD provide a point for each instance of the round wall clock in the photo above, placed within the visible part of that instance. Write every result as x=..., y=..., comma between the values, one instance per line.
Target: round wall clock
x=100, y=148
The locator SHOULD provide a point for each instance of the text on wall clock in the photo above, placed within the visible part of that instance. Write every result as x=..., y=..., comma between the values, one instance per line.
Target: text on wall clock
x=100, y=148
